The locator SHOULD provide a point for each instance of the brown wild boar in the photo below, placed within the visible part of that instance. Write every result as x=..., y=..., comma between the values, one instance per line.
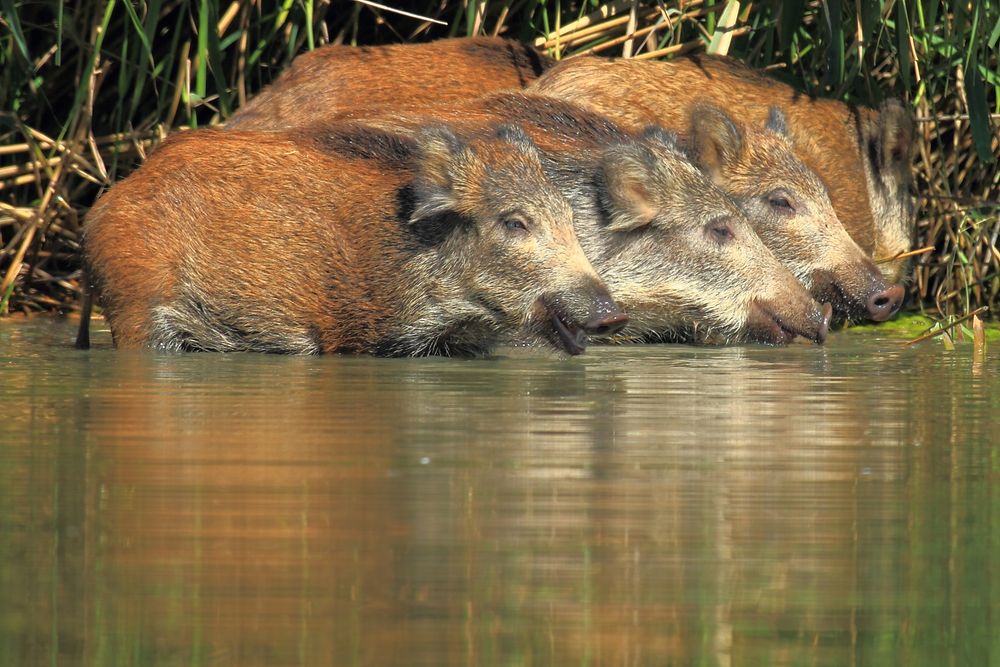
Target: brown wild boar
x=790, y=209
x=680, y=253
x=677, y=252
x=333, y=79
x=862, y=155
x=350, y=241
x=789, y=204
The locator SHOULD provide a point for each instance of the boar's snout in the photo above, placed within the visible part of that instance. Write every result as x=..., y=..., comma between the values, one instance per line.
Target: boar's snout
x=778, y=325
x=576, y=313
x=606, y=317
x=883, y=305
x=859, y=292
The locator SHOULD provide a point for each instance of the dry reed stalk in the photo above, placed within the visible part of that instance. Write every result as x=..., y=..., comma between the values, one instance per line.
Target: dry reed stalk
x=603, y=12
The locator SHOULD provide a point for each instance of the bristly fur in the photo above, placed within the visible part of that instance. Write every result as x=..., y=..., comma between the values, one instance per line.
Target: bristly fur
x=371, y=242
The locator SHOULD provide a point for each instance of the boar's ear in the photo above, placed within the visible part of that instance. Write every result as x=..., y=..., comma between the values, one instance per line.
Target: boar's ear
x=440, y=156
x=514, y=135
x=777, y=122
x=714, y=139
x=894, y=140
x=661, y=138
x=627, y=175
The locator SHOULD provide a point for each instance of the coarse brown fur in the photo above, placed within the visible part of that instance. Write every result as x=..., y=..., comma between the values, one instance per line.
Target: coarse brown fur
x=332, y=79
x=350, y=241
x=810, y=241
x=675, y=250
x=862, y=155
x=790, y=208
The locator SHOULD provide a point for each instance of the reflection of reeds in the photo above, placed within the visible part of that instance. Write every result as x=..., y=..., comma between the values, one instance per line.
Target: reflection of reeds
x=92, y=85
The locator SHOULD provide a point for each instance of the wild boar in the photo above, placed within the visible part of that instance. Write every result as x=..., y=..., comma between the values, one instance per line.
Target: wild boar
x=679, y=253
x=862, y=155
x=332, y=79
x=790, y=209
x=676, y=251
x=350, y=241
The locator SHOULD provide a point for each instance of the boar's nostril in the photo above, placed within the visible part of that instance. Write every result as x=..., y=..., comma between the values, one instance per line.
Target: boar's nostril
x=607, y=325
x=883, y=305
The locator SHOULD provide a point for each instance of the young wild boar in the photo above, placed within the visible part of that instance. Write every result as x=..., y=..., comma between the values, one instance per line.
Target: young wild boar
x=349, y=241
x=332, y=79
x=790, y=209
x=787, y=204
x=862, y=155
x=676, y=251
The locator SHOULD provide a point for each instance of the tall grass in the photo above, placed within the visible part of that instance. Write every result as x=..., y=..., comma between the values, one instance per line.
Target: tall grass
x=87, y=87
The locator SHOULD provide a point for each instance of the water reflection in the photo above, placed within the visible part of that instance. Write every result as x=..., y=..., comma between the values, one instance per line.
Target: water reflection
x=655, y=505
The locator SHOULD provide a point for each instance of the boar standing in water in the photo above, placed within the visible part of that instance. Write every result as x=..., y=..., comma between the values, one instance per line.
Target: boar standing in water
x=677, y=252
x=788, y=204
x=333, y=79
x=352, y=241
x=862, y=155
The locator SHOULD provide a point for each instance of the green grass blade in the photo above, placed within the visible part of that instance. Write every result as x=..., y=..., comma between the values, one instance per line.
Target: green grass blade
x=791, y=18
x=870, y=16
x=201, y=74
x=903, y=45
x=215, y=60
x=139, y=29
x=81, y=90
x=310, y=40
x=286, y=6
x=979, y=121
x=14, y=23
x=149, y=29
x=995, y=35
x=835, y=47
x=59, y=33
x=930, y=11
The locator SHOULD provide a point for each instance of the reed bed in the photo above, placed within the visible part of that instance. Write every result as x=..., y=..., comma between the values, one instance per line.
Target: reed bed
x=87, y=88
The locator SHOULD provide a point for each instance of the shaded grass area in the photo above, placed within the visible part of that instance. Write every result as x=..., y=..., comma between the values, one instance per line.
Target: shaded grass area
x=89, y=87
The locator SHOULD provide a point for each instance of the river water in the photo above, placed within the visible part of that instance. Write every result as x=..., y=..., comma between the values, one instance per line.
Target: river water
x=638, y=505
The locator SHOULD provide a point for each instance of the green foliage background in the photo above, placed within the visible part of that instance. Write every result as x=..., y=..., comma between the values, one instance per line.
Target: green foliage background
x=87, y=87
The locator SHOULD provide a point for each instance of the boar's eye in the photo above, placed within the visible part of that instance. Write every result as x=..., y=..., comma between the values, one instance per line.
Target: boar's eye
x=721, y=232
x=515, y=222
x=781, y=202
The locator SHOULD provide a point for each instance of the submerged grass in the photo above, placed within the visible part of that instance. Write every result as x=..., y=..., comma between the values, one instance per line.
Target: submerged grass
x=88, y=87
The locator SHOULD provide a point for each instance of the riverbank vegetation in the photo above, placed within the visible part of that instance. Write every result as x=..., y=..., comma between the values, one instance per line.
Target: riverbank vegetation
x=87, y=88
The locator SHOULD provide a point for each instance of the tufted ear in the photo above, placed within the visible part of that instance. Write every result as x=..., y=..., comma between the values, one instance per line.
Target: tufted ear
x=894, y=140
x=441, y=158
x=777, y=121
x=714, y=139
x=661, y=137
x=627, y=171
x=515, y=135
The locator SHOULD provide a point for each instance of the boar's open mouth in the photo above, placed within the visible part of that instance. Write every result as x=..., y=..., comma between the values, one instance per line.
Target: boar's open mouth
x=569, y=335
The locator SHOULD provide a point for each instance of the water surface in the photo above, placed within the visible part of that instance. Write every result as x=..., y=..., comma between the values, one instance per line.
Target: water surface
x=642, y=505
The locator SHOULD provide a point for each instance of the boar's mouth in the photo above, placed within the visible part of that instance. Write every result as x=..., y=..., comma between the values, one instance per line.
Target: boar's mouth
x=768, y=327
x=569, y=335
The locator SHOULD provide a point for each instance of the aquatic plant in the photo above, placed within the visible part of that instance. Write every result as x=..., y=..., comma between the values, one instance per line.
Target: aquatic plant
x=88, y=87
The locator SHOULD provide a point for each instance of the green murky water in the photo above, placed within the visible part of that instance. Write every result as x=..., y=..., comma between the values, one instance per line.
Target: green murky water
x=658, y=505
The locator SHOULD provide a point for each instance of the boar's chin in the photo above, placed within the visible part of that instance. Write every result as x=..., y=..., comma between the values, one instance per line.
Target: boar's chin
x=763, y=326
x=552, y=323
